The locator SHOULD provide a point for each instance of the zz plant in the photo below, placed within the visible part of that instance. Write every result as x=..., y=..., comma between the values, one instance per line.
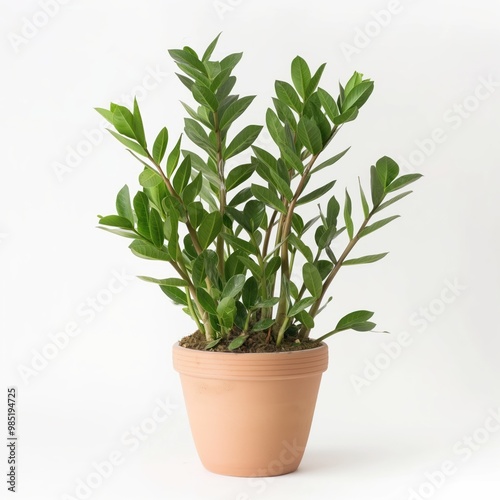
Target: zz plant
x=233, y=242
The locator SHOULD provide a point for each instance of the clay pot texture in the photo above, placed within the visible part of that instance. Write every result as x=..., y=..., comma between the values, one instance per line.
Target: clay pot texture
x=250, y=413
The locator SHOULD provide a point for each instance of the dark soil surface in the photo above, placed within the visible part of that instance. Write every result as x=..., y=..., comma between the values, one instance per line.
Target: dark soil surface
x=256, y=342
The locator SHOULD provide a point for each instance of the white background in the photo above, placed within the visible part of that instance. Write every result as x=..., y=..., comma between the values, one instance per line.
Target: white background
x=370, y=440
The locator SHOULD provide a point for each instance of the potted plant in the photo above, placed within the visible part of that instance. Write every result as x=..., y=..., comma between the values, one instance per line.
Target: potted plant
x=249, y=270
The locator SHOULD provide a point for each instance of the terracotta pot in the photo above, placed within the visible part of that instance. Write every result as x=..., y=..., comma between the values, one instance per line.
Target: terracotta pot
x=250, y=414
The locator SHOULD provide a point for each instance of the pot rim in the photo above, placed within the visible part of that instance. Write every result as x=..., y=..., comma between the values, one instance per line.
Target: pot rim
x=250, y=365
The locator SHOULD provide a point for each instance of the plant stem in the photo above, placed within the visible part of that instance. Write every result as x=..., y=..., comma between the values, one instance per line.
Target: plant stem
x=304, y=332
x=285, y=230
x=281, y=333
x=190, y=228
x=222, y=193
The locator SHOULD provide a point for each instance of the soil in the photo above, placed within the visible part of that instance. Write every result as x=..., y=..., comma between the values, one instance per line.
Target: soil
x=256, y=342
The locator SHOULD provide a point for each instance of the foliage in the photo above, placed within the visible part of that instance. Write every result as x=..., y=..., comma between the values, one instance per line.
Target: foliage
x=232, y=239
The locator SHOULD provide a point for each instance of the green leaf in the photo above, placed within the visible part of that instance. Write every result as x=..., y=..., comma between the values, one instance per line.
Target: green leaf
x=272, y=266
x=138, y=126
x=116, y=221
x=212, y=343
x=355, y=79
x=268, y=197
x=242, y=141
x=183, y=175
x=237, y=342
x=160, y=145
x=120, y=232
x=226, y=311
x=147, y=250
x=244, y=195
x=192, y=190
x=156, y=228
x=250, y=292
x=132, y=145
x=388, y=169
x=206, y=301
x=330, y=161
x=267, y=303
x=276, y=129
x=234, y=111
x=263, y=324
x=199, y=136
x=286, y=93
x=347, y=215
x=364, y=327
x=332, y=212
x=123, y=205
x=176, y=295
x=234, y=286
x=165, y=281
x=364, y=203
x=391, y=201
x=187, y=58
x=292, y=160
x=208, y=52
x=313, y=83
x=358, y=95
x=173, y=158
x=367, y=259
x=123, y=121
x=312, y=279
x=209, y=229
x=149, y=178
x=348, y=116
x=402, y=181
x=230, y=61
x=377, y=187
x=285, y=114
x=173, y=241
x=254, y=213
x=306, y=319
x=300, y=306
x=352, y=319
x=329, y=104
x=238, y=175
x=251, y=265
x=301, y=246
x=310, y=135
x=205, y=97
x=141, y=207
x=377, y=225
x=317, y=193
x=206, y=167
x=106, y=113
x=240, y=244
x=301, y=75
